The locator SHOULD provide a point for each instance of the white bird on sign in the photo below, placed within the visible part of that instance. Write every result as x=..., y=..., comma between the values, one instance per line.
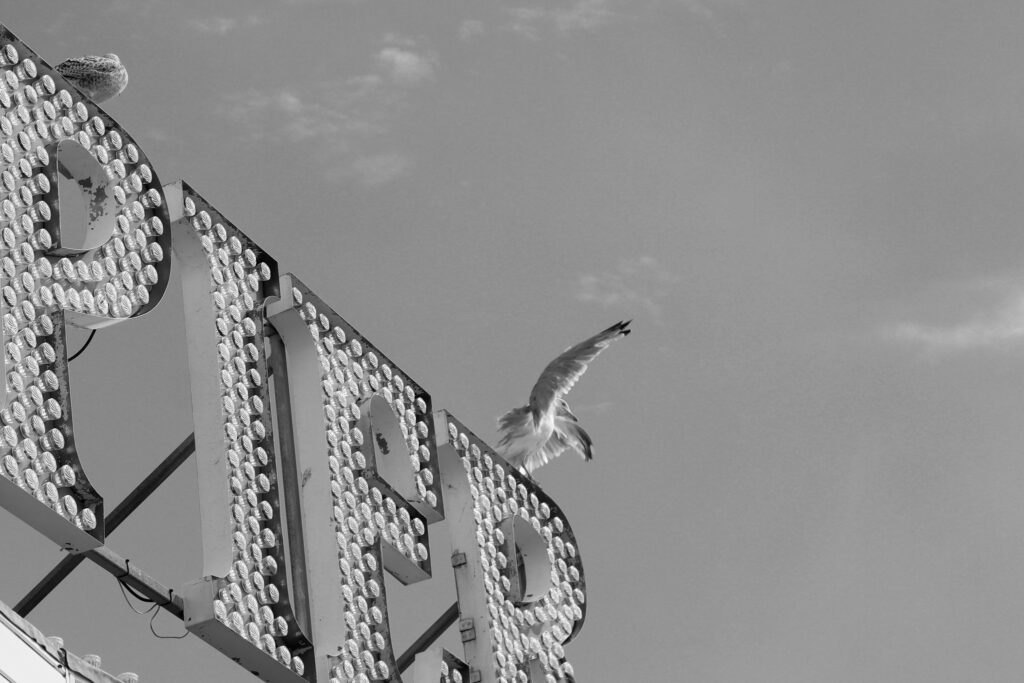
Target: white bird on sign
x=537, y=433
x=99, y=78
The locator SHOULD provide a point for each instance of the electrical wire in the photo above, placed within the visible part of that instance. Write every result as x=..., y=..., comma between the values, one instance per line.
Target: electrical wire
x=153, y=609
x=123, y=586
x=153, y=631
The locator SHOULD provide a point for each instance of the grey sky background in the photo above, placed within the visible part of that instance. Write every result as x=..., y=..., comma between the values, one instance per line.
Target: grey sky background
x=808, y=462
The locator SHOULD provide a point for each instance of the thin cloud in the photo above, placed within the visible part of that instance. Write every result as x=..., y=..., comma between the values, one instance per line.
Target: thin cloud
x=379, y=169
x=220, y=26
x=335, y=122
x=404, y=66
x=986, y=314
x=215, y=25
x=637, y=282
x=342, y=123
x=699, y=8
x=471, y=29
x=710, y=9
x=320, y=113
x=999, y=328
x=591, y=16
x=584, y=15
x=137, y=6
x=581, y=15
x=715, y=13
x=525, y=21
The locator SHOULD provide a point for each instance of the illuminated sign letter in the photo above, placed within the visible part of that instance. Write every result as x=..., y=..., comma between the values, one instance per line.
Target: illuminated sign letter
x=363, y=432
x=300, y=522
x=98, y=274
x=248, y=603
x=520, y=580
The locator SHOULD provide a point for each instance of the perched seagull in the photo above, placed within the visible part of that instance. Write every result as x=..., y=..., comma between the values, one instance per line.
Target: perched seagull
x=537, y=433
x=100, y=78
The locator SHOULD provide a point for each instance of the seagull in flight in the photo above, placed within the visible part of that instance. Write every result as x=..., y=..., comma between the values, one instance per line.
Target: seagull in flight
x=535, y=434
x=99, y=78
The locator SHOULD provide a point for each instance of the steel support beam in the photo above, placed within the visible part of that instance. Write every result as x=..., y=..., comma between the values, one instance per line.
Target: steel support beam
x=132, y=501
x=123, y=570
x=433, y=632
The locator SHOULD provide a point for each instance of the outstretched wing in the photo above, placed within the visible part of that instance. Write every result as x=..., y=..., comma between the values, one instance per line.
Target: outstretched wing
x=562, y=373
x=513, y=421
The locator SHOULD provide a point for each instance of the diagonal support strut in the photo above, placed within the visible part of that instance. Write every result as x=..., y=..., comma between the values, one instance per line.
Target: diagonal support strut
x=127, y=506
x=433, y=632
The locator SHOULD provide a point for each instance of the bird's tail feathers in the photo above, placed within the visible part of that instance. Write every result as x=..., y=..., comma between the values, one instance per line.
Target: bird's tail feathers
x=577, y=437
x=585, y=443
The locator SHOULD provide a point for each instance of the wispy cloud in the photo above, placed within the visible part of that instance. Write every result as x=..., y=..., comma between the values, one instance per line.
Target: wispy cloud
x=215, y=25
x=342, y=123
x=637, y=282
x=404, y=66
x=379, y=169
x=710, y=9
x=323, y=111
x=220, y=26
x=590, y=16
x=713, y=13
x=999, y=325
x=1002, y=328
x=700, y=8
x=580, y=15
x=525, y=21
x=584, y=15
x=471, y=29
x=337, y=121
x=137, y=6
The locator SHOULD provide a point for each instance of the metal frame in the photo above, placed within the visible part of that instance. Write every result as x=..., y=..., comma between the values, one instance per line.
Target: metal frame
x=126, y=507
x=122, y=568
x=427, y=638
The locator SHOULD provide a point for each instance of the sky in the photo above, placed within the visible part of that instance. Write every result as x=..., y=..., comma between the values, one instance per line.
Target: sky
x=807, y=455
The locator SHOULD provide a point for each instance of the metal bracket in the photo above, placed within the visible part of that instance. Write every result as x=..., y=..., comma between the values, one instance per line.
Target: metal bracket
x=467, y=630
x=458, y=559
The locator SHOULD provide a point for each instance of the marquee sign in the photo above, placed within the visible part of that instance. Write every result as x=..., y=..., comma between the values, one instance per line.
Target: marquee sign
x=322, y=464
